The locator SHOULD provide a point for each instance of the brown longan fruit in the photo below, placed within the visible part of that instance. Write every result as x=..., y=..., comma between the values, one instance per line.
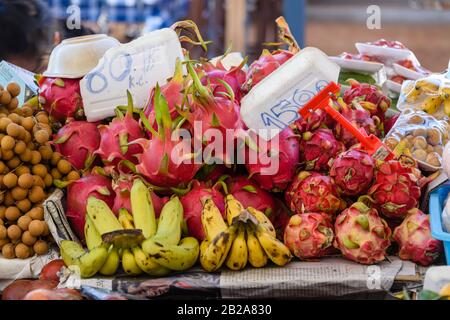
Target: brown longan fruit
x=73, y=176
x=13, y=88
x=2, y=167
x=41, y=136
x=27, y=111
x=19, y=193
x=3, y=242
x=28, y=239
x=8, y=251
x=46, y=152
x=22, y=170
x=4, y=122
x=2, y=212
x=13, y=104
x=26, y=156
x=14, y=232
x=14, y=130
x=37, y=213
x=38, y=181
x=23, y=222
x=10, y=180
x=28, y=123
x=7, y=154
x=22, y=251
x=5, y=98
x=25, y=181
x=1, y=222
x=27, y=137
x=40, y=247
x=7, y=143
x=31, y=146
x=35, y=157
x=15, y=118
x=24, y=205
x=8, y=200
x=56, y=174
x=20, y=147
x=42, y=117
x=64, y=166
x=56, y=156
x=39, y=170
x=14, y=162
x=36, y=194
x=36, y=228
x=48, y=180
x=3, y=233
x=46, y=230
x=12, y=213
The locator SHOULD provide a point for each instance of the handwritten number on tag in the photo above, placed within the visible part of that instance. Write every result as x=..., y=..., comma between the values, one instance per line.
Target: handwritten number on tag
x=97, y=74
x=125, y=65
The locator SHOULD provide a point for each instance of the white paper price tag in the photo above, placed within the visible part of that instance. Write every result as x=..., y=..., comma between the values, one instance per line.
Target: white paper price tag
x=136, y=66
x=274, y=102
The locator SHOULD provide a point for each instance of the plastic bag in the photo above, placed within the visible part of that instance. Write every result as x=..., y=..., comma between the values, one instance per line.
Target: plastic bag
x=430, y=94
x=446, y=215
x=424, y=138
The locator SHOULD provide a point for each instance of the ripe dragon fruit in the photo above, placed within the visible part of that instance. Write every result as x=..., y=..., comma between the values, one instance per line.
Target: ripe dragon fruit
x=212, y=172
x=192, y=205
x=361, y=235
x=212, y=113
x=249, y=193
x=173, y=92
x=360, y=118
x=353, y=172
x=317, y=148
x=414, y=239
x=313, y=192
x=116, y=138
x=164, y=162
x=286, y=153
x=61, y=98
x=78, y=193
x=396, y=188
x=309, y=235
x=368, y=96
x=317, y=119
x=77, y=141
x=122, y=185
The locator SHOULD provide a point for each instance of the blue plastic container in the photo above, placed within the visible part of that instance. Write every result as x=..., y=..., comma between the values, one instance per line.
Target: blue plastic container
x=437, y=199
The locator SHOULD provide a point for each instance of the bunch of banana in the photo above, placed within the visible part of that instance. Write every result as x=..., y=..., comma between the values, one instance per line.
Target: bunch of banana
x=427, y=86
x=249, y=236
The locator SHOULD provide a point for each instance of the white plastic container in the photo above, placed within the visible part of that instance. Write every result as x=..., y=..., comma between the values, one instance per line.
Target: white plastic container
x=274, y=102
x=73, y=58
x=136, y=66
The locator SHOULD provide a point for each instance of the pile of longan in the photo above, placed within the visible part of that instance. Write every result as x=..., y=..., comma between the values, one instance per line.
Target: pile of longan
x=28, y=168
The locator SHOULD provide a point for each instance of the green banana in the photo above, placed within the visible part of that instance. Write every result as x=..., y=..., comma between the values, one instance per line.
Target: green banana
x=92, y=236
x=111, y=264
x=170, y=223
x=147, y=265
x=129, y=264
x=175, y=257
x=142, y=209
x=89, y=263
x=101, y=216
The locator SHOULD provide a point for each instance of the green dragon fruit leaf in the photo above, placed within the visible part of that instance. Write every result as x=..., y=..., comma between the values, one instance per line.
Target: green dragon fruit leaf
x=349, y=244
x=103, y=191
x=147, y=124
x=190, y=25
x=363, y=221
x=60, y=82
x=164, y=166
x=162, y=111
x=197, y=84
x=215, y=121
x=249, y=188
x=230, y=92
x=123, y=142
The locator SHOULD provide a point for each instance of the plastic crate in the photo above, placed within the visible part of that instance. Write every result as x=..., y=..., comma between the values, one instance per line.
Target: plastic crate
x=437, y=199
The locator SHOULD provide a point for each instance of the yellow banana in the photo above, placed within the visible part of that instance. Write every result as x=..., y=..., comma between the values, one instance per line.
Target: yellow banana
x=237, y=257
x=274, y=248
x=213, y=256
x=175, y=257
x=212, y=220
x=88, y=263
x=101, y=216
x=142, y=209
x=256, y=255
x=170, y=223
x=129, y=264
x=111, y=264
x=126, y=219
x=263, y=220
x=430, y=86
x=233, y=208
x=147, y=265
x=431, y=104
x=447, y=106
x=92, y=236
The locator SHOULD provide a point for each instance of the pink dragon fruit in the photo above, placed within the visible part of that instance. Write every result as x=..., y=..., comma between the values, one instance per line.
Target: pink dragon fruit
x=313, y=192
x=122, y=186
x=368, y=96
x=164, y=162
x=250, y=194
x=287, y=153
x=414, y=239
x=211, y=173
x=78, y=193
x=396, y=188
x=192, y=205
x=389, y=123
x=61, y=98
x=220, y=113
x=116, y=138
x=353, y=172
x=173, y=92
x=360, y=118
x=317, y=119
x=309, y=235
x=317, y=148
x=77, y=141
x=361, y=235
